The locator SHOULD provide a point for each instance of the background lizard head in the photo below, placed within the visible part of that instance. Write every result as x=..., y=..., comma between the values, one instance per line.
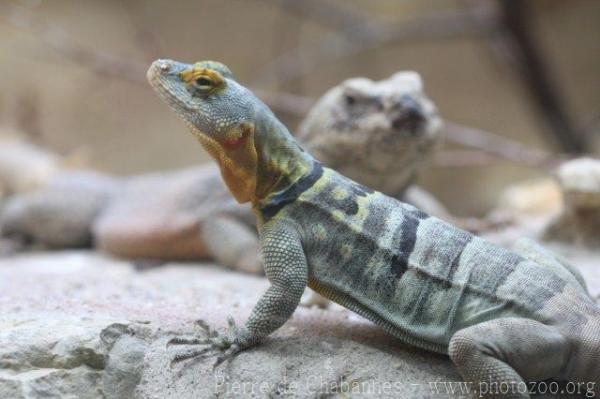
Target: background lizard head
x=219, y=112
x=376, y=132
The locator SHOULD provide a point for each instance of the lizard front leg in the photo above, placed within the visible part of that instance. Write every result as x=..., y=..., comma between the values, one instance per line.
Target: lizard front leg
x=287, y=271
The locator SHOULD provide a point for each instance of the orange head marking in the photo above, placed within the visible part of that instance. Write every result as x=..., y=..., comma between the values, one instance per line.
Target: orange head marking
x=203, y=79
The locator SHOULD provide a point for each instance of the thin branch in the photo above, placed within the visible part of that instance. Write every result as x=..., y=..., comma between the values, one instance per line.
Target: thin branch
x=289, y=103
x=363, y=34
x=58, y=39
x=463, y=158
x=593, y=125
x=498, y=146
x=144, y=35
x=289, y=31
x=534, y=71
x=115, y=67
x=344, y=18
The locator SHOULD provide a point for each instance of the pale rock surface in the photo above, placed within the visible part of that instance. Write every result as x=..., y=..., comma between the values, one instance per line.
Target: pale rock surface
x=79, y=325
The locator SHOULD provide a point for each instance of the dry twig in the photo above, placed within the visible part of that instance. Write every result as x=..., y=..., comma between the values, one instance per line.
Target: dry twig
x=361, y=34
x=535, y=73
x=494, y=145
x=112, y=66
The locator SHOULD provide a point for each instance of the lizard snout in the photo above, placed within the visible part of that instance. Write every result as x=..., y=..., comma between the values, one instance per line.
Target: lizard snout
x=164, y=67
x=409, y=115
x=158, y=68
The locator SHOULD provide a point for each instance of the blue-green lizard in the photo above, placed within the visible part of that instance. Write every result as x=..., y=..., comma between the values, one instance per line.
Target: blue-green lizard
x=501, y=316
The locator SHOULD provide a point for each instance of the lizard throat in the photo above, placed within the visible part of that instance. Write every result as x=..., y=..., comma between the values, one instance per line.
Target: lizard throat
x=237, y=160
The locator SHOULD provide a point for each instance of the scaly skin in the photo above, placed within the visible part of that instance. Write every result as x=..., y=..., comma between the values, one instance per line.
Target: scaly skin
x=502, y=316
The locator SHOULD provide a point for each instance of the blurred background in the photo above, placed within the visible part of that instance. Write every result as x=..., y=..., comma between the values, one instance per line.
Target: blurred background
x=518, y=81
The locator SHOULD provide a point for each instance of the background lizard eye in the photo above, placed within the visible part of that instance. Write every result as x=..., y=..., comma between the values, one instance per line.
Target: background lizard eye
x=349, y=99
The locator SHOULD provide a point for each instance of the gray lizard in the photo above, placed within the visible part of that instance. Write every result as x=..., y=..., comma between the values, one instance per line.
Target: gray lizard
x=502, y=316
x=377, y=133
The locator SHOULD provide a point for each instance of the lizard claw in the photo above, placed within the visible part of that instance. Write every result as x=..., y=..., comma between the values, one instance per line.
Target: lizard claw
x=208, y=330
x=193, y=354
x=187, y=341
x=228, y=354
x=223, y=346
x=233, y=328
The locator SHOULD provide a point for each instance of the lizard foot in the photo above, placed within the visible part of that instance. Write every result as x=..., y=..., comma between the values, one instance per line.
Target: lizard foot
x=223, y=346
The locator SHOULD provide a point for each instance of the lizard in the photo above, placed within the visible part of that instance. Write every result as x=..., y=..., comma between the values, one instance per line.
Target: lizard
x=189, y=215
x=501, y=316
x=360, y=127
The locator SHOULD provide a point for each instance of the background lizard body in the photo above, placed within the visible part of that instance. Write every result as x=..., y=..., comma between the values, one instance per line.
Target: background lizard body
x=502, y=316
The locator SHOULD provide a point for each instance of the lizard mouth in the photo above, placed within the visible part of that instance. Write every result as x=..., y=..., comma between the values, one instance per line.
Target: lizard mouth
x=413, y=125
x=157, y=76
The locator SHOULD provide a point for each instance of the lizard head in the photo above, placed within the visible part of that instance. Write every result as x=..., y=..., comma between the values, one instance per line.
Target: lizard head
x=218, y=111
x=253, y=149
x=367, y=128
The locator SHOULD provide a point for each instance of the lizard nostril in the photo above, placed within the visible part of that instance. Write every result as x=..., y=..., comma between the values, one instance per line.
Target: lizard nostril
x=411, y=107
x=164, y=66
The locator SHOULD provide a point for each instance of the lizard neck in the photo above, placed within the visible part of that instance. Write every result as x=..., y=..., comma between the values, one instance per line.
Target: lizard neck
x=281, y=161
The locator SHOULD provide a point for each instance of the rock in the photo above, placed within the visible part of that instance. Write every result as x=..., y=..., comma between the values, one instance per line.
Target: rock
x=62, y=214
x=579, y=221
x=580, y=183
x=124, y=367
x=23, y=166
x=80, y=325
x=532, y=197
x=51, y=383
x=524, y=209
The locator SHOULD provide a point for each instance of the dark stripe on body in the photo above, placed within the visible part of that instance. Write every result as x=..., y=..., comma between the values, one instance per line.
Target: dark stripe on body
x=347, y=205
x=408, y=237
x=511, y=262
x=465, y=239
x=293, y=192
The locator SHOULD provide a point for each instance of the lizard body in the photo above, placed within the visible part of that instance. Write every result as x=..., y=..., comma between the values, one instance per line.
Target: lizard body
x=502, y=316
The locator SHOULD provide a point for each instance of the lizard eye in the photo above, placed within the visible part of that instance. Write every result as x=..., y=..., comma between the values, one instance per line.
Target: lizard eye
x=203, y=83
